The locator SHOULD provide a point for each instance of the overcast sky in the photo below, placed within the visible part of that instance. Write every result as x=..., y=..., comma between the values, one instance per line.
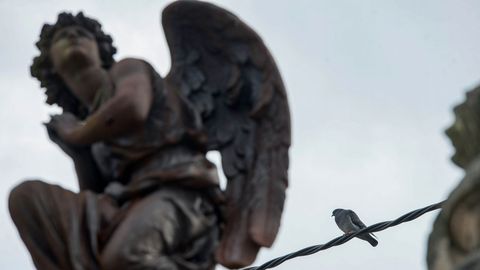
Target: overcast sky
x=371, y=86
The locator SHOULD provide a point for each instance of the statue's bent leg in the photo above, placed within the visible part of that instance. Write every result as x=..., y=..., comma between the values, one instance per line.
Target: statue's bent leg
x=54, y=225
x=169, y=229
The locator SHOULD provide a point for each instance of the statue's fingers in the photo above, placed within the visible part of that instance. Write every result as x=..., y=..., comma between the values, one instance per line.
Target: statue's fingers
x=52, y=134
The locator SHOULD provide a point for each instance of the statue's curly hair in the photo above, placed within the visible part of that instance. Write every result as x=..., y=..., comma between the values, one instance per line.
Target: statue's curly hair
x=42, y=69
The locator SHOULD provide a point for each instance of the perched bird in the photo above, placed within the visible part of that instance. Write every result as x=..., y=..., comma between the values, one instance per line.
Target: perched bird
x=349, y=222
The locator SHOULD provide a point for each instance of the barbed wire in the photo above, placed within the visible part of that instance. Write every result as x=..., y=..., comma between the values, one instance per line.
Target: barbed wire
x=347, y=237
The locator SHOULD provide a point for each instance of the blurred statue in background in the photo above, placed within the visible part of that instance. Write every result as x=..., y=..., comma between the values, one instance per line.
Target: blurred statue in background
x=149, y=198
x=455, y=240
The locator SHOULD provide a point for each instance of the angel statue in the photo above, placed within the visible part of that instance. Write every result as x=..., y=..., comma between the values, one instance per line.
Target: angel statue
x=149, y=198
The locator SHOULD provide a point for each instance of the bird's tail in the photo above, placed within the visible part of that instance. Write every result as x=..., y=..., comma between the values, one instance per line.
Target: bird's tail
x=369, y=238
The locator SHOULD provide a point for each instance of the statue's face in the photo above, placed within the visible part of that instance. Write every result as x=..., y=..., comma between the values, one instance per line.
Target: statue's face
x=464, y=134
x=74, y=47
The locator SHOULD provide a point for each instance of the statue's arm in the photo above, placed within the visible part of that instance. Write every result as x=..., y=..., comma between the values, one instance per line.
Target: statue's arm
x=126, y=111
x=88, y=173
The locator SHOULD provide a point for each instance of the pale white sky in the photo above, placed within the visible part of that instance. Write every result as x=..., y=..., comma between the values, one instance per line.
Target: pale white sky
x=371, y=86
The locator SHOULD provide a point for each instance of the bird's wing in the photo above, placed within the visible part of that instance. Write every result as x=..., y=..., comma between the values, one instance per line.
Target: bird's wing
x=356, y=220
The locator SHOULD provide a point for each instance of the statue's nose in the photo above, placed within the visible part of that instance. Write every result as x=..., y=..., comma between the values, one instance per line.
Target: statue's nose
x=72, y=33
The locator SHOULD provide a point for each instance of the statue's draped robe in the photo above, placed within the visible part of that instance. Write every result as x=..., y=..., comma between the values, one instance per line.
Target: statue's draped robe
x=166, y=217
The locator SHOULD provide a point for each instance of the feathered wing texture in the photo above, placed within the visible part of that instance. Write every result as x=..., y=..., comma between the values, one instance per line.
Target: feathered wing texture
x=356, y=220
x=227, y=73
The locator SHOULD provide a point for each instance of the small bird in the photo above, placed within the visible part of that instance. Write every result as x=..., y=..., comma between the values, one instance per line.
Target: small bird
x=349, y=222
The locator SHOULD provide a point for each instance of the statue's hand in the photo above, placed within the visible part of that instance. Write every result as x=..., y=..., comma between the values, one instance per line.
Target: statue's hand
x=66, y=126
x=71, y=150
x=115, y=190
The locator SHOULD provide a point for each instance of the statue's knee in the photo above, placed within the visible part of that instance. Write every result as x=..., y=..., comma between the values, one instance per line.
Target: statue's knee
x=21, y=194
x=141, y=252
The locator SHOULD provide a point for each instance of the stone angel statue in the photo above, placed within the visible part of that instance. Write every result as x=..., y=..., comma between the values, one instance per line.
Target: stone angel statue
x=149, y=198
x=454, y=242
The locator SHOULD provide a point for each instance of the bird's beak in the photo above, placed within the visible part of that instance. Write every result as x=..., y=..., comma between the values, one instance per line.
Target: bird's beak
x=332, y=215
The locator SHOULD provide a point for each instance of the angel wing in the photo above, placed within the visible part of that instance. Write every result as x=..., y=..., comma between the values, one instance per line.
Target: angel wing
x=227, y=73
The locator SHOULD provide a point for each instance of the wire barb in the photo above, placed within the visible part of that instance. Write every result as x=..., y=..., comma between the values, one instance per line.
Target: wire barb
x=347, y=237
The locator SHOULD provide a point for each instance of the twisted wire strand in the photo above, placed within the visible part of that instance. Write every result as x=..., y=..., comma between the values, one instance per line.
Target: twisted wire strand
x=347, y=237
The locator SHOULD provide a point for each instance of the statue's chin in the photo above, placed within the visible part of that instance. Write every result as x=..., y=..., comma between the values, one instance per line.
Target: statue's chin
x=455, y=159
x=461, y=158
x=75, y=56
